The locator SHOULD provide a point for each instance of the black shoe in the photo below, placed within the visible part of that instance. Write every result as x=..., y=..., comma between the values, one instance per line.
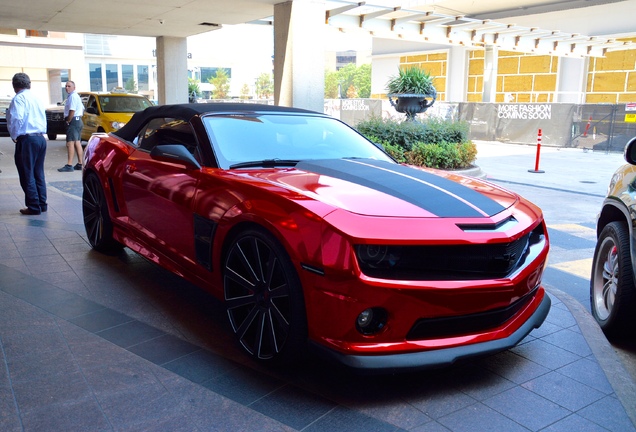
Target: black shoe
x=28, y=211
x=78, y=167
x=44, y=208
x=66, y=168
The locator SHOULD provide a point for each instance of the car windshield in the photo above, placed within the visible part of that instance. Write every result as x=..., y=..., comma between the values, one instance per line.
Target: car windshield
x=244, y=138
x=119, y=104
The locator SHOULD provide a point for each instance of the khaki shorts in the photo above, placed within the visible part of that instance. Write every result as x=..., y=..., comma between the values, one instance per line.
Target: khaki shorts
x=74, y=130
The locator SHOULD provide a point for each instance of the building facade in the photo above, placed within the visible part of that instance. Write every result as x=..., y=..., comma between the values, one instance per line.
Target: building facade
x=524, y=77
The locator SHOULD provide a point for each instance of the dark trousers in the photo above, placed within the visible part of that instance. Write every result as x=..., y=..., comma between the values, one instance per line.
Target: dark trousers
x=29, y=159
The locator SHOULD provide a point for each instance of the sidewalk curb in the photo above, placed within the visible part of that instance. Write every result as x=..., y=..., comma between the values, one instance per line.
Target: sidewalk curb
x=615, y=371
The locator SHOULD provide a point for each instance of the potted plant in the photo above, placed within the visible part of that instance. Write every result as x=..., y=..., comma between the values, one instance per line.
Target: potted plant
x=414, y=90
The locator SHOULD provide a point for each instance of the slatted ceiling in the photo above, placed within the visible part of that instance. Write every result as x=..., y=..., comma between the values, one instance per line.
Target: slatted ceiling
x=435, y=27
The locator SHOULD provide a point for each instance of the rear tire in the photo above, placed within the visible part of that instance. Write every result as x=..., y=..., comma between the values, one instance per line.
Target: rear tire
x=612, y=290
x=99, y=227
x=51, y=136
x=264, y=298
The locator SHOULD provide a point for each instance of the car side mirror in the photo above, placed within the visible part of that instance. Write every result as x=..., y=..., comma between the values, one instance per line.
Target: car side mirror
x=630, y=151
x=174, y=153
x=91, y=110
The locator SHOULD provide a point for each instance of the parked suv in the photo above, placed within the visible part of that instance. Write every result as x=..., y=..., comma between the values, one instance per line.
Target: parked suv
x=613, y=283
x=4, y=106
x=55, y=123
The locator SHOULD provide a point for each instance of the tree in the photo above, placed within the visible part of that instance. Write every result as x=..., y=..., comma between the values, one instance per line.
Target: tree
x=221, y=83
x=352, y=92
x=331, y=85
x=193, y=90
x=245, y=92
x=131, y=85
x=355, y=82
x=362, y=80
x=264, y=86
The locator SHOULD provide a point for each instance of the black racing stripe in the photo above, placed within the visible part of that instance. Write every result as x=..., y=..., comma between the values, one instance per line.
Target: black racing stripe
x=399, y=181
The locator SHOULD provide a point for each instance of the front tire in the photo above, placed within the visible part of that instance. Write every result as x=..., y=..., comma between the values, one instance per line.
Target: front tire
x=264, y=298
x=99, y=227
x=51, y=136
x=612, y=290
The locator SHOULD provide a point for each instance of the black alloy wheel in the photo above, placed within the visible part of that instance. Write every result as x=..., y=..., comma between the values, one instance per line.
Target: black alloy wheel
x=99, y=227
x=612, y=290
x=264, y=298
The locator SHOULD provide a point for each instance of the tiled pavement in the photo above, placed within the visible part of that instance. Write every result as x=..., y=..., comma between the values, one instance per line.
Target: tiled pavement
x=90, y=342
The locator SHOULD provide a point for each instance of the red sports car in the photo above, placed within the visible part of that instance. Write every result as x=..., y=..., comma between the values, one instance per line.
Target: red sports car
x=315, y=238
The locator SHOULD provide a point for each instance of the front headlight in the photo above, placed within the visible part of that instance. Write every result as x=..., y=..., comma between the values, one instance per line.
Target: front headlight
x=378, y=256
x=117, y=125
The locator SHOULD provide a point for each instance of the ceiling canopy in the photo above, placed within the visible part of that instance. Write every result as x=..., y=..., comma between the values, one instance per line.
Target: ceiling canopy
x=468, y=23
x=511, y=24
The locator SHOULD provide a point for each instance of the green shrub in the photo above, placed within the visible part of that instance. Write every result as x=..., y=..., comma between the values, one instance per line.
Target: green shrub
x=396, y=152
x=444, y=155
x=437, y=131
x=411, y=80
x=432, y=143
x=402, y=134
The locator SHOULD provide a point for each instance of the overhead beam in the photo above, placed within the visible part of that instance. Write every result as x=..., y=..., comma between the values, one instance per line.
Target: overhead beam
x=338, y=11
x=430, y=26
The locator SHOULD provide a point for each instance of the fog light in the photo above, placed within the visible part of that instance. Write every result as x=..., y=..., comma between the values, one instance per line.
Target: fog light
x=371, y=321
x=364, y=319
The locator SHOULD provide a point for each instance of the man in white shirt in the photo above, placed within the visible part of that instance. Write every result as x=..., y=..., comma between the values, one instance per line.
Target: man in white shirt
x=73, y=111
x=26, y=122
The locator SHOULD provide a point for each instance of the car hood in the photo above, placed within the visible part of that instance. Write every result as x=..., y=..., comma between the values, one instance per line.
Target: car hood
x=377, y=188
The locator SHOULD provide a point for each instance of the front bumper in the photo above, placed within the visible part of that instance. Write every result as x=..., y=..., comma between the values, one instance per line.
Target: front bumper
x=437, y=358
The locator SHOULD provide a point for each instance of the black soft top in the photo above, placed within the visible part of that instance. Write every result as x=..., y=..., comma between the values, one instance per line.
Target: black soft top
x=187, y=111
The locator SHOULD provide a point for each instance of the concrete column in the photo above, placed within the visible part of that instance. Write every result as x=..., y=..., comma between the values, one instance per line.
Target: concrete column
x=299, y=54
x=572, y=80
x=490, y=74
x=457, y=74
x=172, y=70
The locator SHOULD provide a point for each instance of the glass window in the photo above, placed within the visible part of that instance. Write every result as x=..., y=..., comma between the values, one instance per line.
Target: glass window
x=98, y=45
x=95, y=71
x=161, y=131
x=37, y=33
x=112, y=77
x=210, y=72
x=142, y=78
x=128, y=78
x=123, y=103
x=246, y=138
x=91, y=102
x=63, y=78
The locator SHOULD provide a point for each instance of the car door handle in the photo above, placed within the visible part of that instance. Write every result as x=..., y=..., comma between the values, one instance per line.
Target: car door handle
x=131, y=168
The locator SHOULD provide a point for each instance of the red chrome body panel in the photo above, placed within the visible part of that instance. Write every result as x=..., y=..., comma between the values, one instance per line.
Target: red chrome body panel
x=317, y=219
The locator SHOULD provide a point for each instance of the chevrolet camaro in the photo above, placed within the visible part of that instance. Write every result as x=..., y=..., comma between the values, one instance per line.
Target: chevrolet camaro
x=315, y=239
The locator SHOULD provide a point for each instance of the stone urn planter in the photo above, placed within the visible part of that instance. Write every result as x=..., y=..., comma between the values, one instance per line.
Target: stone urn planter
x=413, y=90
x=411, y=104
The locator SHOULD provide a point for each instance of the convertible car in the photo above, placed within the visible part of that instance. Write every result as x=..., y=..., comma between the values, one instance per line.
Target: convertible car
x=315, y=239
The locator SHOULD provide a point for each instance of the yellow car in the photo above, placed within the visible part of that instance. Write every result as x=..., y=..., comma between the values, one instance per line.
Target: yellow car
x=107, y=112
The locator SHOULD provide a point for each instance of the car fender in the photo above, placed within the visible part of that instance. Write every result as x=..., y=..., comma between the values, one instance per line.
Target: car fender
x=107, y=167
x=290, y=226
